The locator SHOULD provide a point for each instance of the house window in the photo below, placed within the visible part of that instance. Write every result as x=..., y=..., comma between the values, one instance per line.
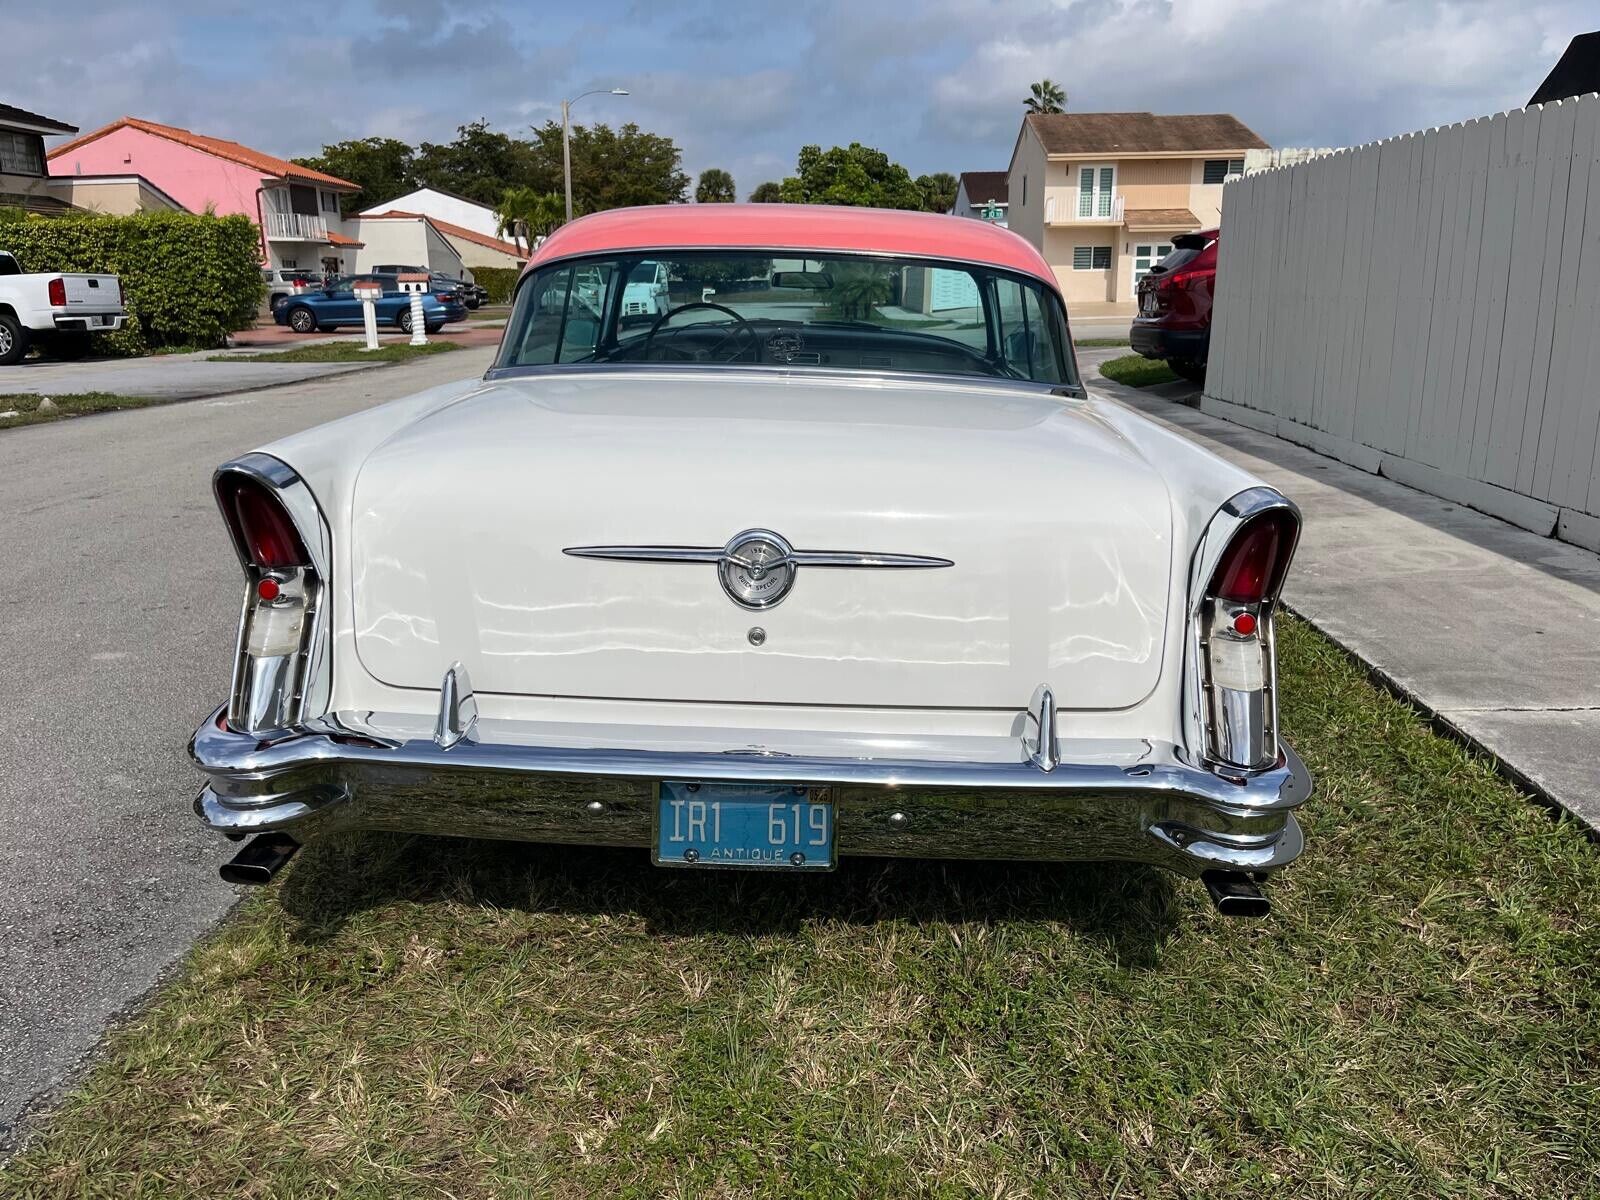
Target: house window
x=1091, y=258
x=1218, y=169
x=1094, y=191
x=20, y=153
x=1024, y=189
x=330, y=202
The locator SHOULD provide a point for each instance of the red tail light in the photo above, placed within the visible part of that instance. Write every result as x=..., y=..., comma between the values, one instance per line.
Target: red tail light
x=1253, y=565
x=262, y=526
x=58, y=293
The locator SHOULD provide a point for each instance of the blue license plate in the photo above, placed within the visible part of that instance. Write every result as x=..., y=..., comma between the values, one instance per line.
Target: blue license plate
x=775, y=826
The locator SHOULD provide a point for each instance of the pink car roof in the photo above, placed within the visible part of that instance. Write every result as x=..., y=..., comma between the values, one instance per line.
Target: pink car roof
x=796, y=227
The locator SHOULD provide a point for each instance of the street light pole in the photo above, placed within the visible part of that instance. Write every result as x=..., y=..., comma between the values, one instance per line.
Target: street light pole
x=566, y=137
x=566, y=152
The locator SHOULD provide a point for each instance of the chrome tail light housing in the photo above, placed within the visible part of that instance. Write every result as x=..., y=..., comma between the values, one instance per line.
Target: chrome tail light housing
x=1235, y=583
x=282, y=669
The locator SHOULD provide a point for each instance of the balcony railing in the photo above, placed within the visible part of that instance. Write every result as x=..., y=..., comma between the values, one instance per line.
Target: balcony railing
x=1065, y=211
x=296, y=227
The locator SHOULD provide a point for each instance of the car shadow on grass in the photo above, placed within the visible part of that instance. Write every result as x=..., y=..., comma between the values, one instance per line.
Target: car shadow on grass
x=1130, y=908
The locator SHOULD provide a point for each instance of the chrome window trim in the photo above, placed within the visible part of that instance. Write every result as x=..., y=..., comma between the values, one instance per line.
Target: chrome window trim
x=1067, y=391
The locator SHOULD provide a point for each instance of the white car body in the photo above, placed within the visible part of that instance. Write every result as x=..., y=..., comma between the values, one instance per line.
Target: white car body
x=84, y=303
x=514, y=582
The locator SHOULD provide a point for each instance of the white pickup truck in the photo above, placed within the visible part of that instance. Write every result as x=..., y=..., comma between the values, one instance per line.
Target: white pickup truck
x=55, y=311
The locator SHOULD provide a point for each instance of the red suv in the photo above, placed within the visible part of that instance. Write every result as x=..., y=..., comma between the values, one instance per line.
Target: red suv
x=1174, y=320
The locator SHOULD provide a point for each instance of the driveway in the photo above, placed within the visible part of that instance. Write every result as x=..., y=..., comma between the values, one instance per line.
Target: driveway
x=118, y=601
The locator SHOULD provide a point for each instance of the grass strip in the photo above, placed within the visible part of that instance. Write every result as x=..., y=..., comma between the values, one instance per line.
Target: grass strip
x=23, y=408
x=341, y=352
x=1100, y=343
x=434, y=1017
x=1136, y=370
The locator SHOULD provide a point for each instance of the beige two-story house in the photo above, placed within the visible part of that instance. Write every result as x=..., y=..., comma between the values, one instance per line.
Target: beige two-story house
x=1103, y=194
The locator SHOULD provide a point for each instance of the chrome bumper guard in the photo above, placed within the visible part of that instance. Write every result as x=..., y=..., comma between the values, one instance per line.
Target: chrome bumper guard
x=1135, y=800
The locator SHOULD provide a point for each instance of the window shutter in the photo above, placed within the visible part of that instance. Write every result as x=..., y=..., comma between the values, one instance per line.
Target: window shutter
x=1082, y=258
x=1102, y=258
x=1086, y=192
x=1215, y=170
x=1105, y=192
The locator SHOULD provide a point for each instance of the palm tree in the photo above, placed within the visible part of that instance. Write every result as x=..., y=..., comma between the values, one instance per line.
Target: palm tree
x=527, y=213
x=1047, y=97
x=716, y=187
x=857, y=288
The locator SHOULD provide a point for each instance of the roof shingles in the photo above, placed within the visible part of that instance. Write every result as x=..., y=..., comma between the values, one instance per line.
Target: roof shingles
x=1142, y=133
x=985, y=186
x=267, y=164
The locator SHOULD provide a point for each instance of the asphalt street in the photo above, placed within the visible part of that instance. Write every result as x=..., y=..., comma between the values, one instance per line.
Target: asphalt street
x=119, y=595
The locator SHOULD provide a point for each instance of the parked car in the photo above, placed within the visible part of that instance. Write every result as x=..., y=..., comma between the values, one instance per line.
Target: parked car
x=472, y=295
x=754, y=586
x=54, y=310
x=288, y=281
x=1174, y=321
x=335, y=304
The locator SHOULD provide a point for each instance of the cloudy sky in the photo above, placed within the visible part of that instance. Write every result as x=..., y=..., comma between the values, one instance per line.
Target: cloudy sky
x=741, y=84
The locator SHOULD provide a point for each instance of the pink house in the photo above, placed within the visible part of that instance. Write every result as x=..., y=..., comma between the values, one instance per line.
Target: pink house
x=296, y=208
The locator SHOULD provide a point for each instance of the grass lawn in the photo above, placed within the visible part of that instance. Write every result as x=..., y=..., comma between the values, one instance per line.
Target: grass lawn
x=1135, y=370
x=26, y=406
x=341, y=351
x=1097, y=343
x=427, y=1017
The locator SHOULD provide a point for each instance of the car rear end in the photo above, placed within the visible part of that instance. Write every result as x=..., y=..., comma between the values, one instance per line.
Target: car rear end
x=84, y=304
x=1174, y=319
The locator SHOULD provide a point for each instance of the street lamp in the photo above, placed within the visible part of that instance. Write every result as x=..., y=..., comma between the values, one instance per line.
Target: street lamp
x=566, y=136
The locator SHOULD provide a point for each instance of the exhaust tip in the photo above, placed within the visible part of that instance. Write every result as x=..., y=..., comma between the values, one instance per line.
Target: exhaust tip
x=1235, y=894
x=260, y=861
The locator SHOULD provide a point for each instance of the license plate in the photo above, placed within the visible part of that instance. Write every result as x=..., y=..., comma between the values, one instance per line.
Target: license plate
x=1147, y=303
x=772, y=826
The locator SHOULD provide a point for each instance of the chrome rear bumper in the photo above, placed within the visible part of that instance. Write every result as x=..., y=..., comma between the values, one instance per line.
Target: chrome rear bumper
x=1133, y=800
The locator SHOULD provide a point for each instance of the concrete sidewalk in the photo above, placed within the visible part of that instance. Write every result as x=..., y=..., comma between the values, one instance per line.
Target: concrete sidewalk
x=1494, y=630
x=169, y=376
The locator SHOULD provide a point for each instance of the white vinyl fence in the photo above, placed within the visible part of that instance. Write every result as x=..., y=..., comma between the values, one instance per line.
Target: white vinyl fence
x=1428, y=307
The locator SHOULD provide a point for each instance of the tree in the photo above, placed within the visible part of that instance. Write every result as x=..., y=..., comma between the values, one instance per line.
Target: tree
x=1046, y=97
x=857, y=288
x=480, y=164
x=527, y=213
x=767, y=193
x=382, y=166
x=938, y=191
x=856, y=174
x=715, y=187
x=610, y=168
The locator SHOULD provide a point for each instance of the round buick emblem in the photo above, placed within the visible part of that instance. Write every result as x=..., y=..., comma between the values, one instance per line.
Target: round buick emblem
x=756, y=569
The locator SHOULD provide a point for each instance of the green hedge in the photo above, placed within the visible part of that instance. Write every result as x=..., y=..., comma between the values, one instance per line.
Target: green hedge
x=188, y=279
x=500, y=281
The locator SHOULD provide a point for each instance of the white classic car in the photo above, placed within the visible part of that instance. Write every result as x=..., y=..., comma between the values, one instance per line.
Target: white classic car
x=849, y=563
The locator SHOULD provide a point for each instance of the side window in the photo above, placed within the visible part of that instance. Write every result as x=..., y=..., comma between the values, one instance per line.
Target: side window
x=1029, y=340
x=564, y=310
x=587, y=301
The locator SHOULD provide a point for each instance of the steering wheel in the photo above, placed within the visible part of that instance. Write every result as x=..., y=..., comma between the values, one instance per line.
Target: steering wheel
x=741, y=329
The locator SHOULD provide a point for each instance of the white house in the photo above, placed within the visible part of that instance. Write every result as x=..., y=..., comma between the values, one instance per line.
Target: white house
x=443, y=206
x=408, y=240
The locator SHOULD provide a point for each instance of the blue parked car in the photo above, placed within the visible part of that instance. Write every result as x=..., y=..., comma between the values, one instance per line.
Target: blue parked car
x=336, y=305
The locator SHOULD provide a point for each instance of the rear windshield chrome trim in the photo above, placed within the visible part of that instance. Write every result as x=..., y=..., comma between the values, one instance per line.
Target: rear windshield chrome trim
x=790, y=370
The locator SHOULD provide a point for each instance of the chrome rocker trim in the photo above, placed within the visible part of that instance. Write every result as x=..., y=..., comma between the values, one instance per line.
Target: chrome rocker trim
x=1138, y=800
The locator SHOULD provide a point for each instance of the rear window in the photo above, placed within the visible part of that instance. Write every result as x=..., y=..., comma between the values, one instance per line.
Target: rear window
x=1186, y=248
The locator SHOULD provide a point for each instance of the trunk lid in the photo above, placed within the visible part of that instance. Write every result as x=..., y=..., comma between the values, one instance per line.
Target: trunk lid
x=1059, y=532
x=91, y=293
